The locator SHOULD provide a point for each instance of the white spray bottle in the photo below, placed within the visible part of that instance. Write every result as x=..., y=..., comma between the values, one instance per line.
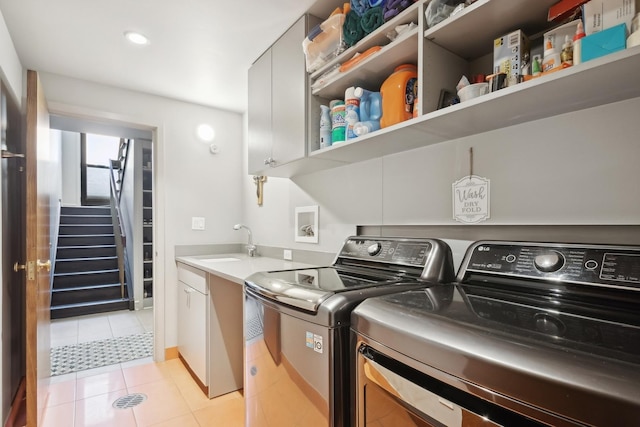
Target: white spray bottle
x=352, y=111
x=325, y=126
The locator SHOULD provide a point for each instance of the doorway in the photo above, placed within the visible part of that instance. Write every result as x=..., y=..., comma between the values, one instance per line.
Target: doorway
x=87, y=149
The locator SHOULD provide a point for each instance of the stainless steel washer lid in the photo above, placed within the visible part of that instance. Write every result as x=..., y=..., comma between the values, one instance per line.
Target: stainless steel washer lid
x=363, y=262
x=308, y=288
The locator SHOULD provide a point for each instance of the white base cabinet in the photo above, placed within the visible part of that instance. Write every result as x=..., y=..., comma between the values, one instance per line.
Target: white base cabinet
x=192, y=329
x=210, y=337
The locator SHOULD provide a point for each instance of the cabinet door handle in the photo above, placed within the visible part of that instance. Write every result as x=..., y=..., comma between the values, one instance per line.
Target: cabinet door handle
x=269, y=161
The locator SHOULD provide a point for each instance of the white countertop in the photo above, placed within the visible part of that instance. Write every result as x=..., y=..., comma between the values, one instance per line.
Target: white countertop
x=236, y=267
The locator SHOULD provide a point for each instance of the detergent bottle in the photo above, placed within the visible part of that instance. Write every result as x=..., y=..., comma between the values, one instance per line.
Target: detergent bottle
x=370, y=111
x=351, y=111
x=398, y=94
x=337, y=121
x=551, y=58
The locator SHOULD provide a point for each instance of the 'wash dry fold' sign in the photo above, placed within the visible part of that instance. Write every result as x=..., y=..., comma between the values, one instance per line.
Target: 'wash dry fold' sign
x=471, y=199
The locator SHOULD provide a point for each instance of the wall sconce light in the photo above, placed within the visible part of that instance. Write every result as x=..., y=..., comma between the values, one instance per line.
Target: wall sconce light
x=207, y=134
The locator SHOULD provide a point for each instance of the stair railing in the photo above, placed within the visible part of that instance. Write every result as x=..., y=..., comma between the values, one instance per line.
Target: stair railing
x=118, y=229
x=123, y=156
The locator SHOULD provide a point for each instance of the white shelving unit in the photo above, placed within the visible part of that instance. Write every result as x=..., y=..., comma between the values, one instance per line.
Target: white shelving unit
x=601, y=81
x=147, y=225
x=371, y=72
x=460, y=45
x=470, y=33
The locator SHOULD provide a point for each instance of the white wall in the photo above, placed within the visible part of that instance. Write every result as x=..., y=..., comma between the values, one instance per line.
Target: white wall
x=577, y=168
x=189, y=181
x=10, y=66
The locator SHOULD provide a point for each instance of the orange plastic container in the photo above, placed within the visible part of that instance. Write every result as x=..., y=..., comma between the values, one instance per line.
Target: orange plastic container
x=398, y=95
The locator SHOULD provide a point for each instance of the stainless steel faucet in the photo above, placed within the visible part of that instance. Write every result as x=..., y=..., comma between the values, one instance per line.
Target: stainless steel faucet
x=251, y=248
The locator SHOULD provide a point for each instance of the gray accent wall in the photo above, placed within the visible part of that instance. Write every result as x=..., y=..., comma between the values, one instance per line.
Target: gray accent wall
x=579, y=168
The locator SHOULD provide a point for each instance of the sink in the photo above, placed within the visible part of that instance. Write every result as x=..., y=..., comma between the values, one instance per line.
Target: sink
x=220, y=259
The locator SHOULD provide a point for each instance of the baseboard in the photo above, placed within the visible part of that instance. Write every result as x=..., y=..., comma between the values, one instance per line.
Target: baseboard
x=200, y=384
x=171, y=353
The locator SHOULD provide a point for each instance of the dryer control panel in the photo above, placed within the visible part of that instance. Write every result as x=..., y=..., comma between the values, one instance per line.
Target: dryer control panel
x=613, y=266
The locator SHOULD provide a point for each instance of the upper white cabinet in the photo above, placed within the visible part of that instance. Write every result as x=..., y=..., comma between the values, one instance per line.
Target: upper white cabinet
x=281, y=110
x=259, y=113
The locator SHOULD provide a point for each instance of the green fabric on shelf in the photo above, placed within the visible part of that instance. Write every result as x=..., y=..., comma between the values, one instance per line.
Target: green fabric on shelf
x=372, y=19
x=352, y=31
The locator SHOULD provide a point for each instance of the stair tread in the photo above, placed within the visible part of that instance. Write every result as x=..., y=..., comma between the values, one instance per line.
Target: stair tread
x=85, y=216
x=106, y=224
x=95, y=258
x=80, y=273
x=84, y=288
x=86, y=246
x=85, y=235
x=92, y=303
x=84, y=211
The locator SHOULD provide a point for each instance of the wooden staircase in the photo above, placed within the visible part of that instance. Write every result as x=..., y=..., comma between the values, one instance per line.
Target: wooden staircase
x=86, y=274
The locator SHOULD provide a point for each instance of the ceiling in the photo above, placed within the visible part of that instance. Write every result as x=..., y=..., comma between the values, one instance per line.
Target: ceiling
x=199, y=51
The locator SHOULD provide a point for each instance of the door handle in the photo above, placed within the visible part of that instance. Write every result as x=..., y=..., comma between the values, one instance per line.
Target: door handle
x=28, y=267
x=42, y=265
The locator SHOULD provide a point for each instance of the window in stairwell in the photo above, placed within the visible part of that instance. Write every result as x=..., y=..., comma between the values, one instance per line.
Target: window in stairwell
x=97, y=152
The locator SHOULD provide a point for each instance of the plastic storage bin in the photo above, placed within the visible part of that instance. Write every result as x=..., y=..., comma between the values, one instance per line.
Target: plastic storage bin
x=324, y=42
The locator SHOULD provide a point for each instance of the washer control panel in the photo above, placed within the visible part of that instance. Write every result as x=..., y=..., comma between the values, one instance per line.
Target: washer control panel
x=391, y=251
x=617, y=266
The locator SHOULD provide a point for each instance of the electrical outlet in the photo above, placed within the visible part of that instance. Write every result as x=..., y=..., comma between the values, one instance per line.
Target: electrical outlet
x=197, y=223
x=287, y=255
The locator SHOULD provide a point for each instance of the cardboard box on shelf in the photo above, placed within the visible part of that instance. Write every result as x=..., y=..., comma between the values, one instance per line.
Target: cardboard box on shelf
x=509, y=54
x=599, y=15
x=604, y=42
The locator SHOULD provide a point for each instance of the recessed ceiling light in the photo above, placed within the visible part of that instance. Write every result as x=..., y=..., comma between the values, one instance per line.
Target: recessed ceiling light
x=136, y=38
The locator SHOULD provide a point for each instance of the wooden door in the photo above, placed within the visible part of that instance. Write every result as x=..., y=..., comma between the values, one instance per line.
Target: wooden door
x=38, y=244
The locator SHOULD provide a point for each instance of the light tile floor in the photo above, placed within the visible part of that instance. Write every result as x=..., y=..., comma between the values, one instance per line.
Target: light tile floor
x=93, y=327
x=85, y=398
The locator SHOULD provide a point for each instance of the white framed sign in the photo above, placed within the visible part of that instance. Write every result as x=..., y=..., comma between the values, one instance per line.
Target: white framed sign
x=306, y=223
x=471, y=202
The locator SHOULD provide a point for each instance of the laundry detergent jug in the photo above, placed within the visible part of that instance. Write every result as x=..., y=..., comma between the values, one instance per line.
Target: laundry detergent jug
x=398, y=94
